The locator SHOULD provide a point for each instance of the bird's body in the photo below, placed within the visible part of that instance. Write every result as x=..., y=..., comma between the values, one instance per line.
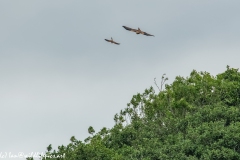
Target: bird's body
x=137, y=31
x=111, y=41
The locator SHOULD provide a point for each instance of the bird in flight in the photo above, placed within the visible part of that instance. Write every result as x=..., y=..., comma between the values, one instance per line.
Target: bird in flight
x=112, y=41
x=137, y=31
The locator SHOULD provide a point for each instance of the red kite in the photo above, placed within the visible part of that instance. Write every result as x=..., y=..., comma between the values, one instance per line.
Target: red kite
x=112, y=41
x=138, y=31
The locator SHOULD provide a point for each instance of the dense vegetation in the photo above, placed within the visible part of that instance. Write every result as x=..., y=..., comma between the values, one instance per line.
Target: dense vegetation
x=196, y=117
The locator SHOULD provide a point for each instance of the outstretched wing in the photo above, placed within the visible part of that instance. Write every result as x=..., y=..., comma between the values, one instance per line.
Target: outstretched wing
x=107, y=40
x=116, y=43
x=129, y=29
x=147, y=34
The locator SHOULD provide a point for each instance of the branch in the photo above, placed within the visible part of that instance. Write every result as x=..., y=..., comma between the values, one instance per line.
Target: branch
x=156, y=84
x=162, y=82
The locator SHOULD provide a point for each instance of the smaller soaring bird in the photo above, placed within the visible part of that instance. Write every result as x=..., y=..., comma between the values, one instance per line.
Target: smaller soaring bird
x=137, y=31
x=112, y=41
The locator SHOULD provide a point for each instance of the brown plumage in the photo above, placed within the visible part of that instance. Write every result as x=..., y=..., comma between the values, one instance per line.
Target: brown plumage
x=111, y=41
x=137, y=31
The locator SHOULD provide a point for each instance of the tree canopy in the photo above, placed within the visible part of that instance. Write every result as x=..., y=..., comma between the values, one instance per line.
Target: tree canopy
x=196, y=117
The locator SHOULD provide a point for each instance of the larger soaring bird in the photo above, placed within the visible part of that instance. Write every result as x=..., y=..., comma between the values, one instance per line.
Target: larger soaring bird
x=111, y=41
x=137, y=31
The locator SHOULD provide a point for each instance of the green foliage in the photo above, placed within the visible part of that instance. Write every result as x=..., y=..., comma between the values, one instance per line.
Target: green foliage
x=91, y=130
x=197, y=117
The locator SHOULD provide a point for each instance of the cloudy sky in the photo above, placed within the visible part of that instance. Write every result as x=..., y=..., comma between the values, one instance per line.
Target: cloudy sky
x=58, y=76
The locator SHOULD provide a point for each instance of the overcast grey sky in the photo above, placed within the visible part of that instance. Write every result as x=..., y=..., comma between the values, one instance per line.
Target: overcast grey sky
x=58, y=76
